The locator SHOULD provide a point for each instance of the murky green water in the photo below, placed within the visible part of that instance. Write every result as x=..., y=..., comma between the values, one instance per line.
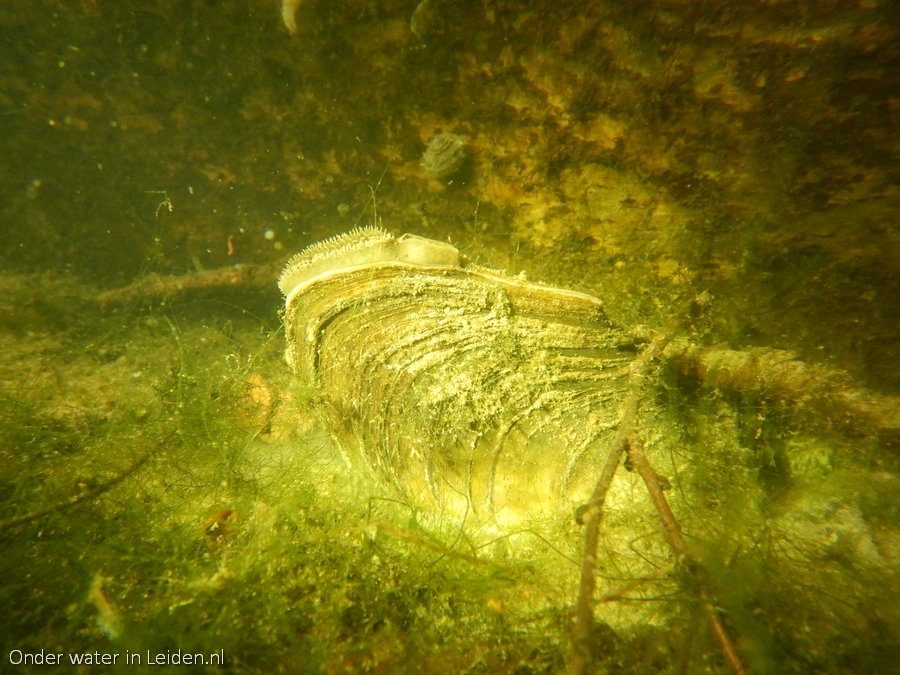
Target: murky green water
x=165, y=484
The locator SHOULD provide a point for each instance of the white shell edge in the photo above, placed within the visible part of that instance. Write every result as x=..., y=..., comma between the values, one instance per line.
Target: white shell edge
x=374, y=247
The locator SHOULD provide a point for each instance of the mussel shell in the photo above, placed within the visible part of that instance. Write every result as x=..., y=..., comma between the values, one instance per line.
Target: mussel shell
x=444, y=155
x=470, y=391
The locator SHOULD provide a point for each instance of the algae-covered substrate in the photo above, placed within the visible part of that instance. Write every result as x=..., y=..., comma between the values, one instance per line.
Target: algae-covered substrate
x=722, y=177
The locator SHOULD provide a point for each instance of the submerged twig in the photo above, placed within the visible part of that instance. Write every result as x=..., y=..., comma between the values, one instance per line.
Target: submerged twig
x=246, y=277
x=676, y=543
x=591, y=517
x=619, y=593
x=591, y=514
x=418, y=540
x=778, y=376
x=77, y=499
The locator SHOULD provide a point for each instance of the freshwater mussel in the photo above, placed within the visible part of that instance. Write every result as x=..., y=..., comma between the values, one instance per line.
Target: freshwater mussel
x=478, y=394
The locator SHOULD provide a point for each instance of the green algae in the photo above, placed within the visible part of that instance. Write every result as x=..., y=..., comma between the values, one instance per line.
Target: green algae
x=642, y=154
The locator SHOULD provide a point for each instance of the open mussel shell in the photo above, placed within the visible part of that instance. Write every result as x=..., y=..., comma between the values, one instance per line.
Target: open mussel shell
x=471, y=392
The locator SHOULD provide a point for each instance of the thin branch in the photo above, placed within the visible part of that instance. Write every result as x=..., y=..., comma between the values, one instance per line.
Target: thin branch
x=591, y=514
x=244, y=277
x=780, y=378
x=591, y=517
x=77, y=499
x=418, y=540
x=619, y=593
x=676, y=543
